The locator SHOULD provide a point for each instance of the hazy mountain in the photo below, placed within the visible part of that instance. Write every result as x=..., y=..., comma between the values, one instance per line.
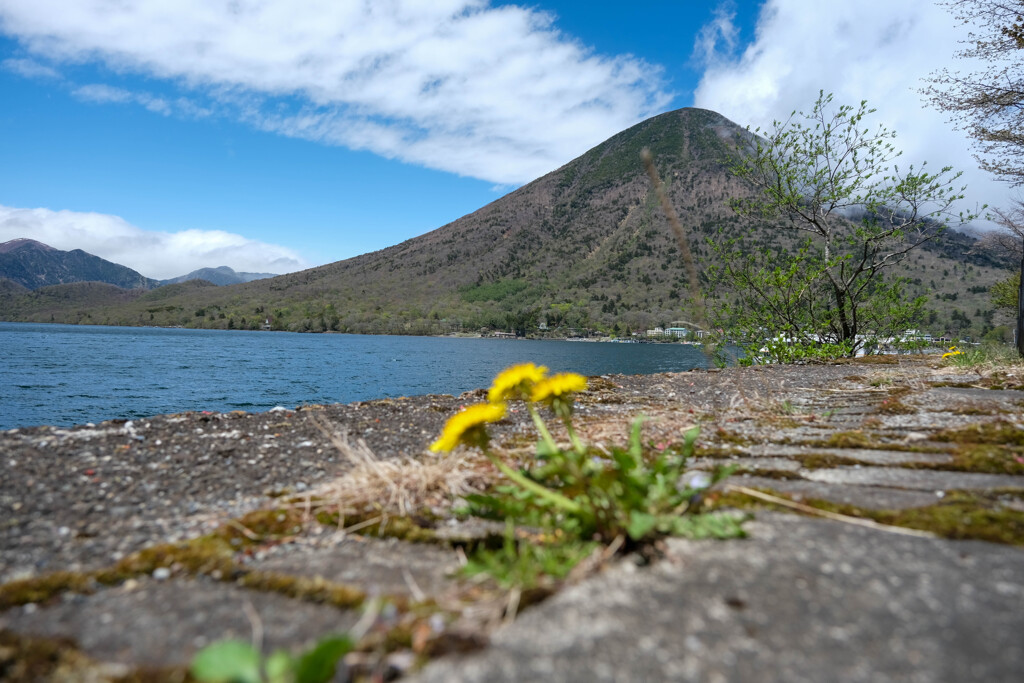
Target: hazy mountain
x=586, y=246
x=222, y=275
x=33, y=265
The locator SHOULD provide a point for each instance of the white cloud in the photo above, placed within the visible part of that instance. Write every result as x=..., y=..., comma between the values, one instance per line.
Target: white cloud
x=106, y=94
x=98, y=92
x=721, y=32
x=159, y=255
x=491, y=92
x=874, y=50
x=29, y=68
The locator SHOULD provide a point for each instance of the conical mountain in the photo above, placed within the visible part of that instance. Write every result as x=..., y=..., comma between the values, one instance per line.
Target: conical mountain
x=585, y=246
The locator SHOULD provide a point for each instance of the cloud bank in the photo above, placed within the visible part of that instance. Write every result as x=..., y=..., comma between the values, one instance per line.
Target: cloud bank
x=159, y=255
x=496, y=93
x=874, y=50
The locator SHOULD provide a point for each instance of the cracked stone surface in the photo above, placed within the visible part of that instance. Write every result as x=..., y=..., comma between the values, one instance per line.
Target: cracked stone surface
x=800, y=600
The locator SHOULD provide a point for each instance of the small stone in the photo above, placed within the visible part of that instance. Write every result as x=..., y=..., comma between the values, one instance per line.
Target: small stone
x=161, y=573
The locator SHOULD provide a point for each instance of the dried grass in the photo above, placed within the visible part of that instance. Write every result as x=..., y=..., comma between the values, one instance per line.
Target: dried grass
x=401, y=486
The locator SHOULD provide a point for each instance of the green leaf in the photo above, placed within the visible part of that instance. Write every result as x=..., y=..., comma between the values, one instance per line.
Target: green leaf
x=318, y=665
x=689, y=438
x=625, y=460
x=636, y=448
x=708, y=526
x=279, y=667
x=640, y=524
x=228, y=661
x=544, y=449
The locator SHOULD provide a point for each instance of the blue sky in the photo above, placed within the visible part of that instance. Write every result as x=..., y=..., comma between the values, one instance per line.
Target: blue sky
x=169, y=135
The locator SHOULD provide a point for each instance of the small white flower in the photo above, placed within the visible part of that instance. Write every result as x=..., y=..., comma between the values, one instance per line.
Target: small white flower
x=695, y=479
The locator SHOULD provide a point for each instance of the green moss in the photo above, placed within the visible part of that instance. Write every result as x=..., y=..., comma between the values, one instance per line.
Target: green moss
x=27, y=659
x=262, y=525
x=892, y=405
x=978, y=409
x=43, y=588
x=959, y=515
x=856, y=439
x=999, y=432
x=311, y=590
x=204, y=555
x=778, y=422
x=412, y=528
x=819, y=461
x=725, y=436
x=992, y=447
x=962, y=516
x=213, y=555
x=861, y=439
x=985, y=459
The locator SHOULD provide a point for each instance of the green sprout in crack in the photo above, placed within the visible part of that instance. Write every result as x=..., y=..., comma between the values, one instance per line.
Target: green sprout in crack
x=235, y=661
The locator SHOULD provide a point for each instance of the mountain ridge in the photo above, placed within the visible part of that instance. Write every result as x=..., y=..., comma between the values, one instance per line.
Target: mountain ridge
x=33, y=264
x=583, y=247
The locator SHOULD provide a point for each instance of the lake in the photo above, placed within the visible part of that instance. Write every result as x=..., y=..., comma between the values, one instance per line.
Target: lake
x=72, y=374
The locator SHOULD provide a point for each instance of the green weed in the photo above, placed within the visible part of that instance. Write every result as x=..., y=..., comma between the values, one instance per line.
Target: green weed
x=234, y=661
x=580, y=494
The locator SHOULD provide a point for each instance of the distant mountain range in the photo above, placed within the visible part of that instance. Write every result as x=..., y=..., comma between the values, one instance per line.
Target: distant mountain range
x=33, y=265
x=222, y=275
x=586, y=246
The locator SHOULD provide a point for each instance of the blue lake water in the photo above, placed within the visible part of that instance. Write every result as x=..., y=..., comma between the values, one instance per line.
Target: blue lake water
x=71, y=374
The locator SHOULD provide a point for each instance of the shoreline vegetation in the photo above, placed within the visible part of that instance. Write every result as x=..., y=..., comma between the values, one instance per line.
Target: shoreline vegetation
x=916, y=344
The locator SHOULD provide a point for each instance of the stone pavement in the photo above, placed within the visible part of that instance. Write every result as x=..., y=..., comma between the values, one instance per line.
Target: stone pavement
x=126, y=547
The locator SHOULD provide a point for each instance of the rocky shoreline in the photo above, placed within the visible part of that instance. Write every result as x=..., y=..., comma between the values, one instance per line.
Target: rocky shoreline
x=127, y=546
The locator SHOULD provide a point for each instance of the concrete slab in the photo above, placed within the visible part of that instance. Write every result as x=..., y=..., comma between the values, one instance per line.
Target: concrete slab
x=871, y=497
x=932, y=480
x=164, y=623
x=375, y=566
x=870, y=455
x=802, y=600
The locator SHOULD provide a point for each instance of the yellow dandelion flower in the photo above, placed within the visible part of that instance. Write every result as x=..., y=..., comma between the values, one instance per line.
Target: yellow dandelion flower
x=557, y=386
x=467, y=426
x=953, y=351
x=515, y=382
